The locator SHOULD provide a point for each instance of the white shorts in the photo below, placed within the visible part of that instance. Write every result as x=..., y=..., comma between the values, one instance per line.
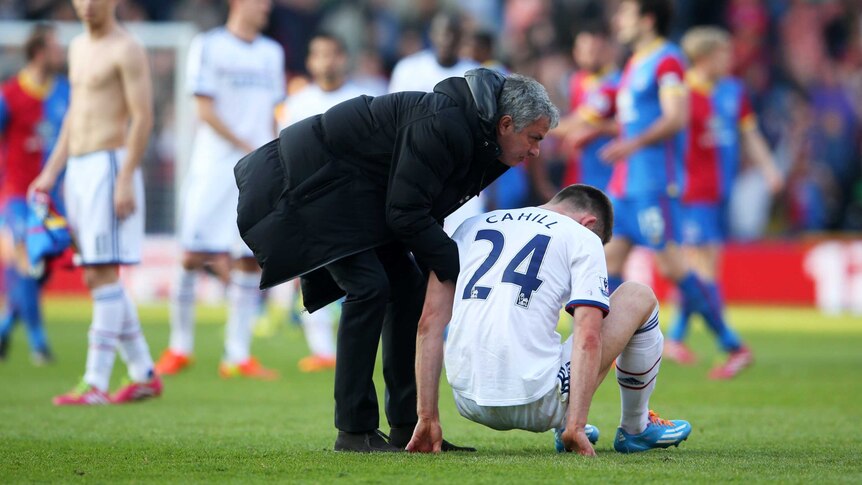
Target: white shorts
x=208, y=211
x=547, y=412
x=100, y=237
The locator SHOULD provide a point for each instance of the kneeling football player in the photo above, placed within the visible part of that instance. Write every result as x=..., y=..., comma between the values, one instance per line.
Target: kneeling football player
x=504, y=359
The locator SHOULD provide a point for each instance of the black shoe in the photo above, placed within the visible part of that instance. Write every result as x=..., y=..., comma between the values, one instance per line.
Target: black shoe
x=446, y=446
x=399, y=437
x=372, y=442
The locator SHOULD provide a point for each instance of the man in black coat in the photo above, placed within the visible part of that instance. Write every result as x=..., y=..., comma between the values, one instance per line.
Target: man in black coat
x=352, y=202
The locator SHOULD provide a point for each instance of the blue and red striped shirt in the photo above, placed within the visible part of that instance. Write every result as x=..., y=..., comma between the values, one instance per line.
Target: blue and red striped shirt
x=718, y=113
x=655, y=169
x=30, y=119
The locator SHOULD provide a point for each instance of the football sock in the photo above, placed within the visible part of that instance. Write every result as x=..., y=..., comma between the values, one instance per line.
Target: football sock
x=704, y=298
x=679, y=329
x=727, y=338
x=10, y=314
x=614, y=282
x=183, y=312
x=31, y=313
x=637, y=369
x=133, y=346
x=108, y=308
x=243, y=300
x=319, y=332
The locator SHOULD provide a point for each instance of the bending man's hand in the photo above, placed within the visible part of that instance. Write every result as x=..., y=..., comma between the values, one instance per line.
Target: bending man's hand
x=427, y=437
x=576, y=441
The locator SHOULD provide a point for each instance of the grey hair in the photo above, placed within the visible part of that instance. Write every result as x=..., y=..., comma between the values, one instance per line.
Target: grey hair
x=526, y=101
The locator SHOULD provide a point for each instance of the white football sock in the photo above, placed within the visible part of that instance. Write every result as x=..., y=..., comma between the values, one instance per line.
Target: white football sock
x=108, y=307
x=133, y=346
x=319, y=332
x=243, y=302
x=183, y=312
x=637, y=370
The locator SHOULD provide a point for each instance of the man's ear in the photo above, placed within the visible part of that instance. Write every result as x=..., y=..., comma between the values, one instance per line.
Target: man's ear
x=505, y=124
x=588, y=221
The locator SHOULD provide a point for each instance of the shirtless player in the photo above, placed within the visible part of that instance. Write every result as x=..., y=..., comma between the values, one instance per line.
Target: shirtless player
x=101, y=144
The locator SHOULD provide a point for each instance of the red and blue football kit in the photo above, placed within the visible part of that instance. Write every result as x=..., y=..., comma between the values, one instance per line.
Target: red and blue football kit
x=30, y=119
x=645, y=188
x=718, y=114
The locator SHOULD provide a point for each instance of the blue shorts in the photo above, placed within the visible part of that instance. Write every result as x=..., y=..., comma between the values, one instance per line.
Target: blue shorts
x=14, y=218
x=702, y=224
x=647, y=221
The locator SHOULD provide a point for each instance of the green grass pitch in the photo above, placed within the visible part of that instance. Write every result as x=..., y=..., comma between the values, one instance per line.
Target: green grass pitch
x=795, y=417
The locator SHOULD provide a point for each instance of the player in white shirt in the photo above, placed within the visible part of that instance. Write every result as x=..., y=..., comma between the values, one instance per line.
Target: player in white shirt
x=327, y=64
x=423, y=70
x=504, y=359
x=237, y=77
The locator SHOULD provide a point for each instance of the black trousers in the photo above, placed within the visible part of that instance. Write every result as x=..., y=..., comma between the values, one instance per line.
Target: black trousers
x=385, y=292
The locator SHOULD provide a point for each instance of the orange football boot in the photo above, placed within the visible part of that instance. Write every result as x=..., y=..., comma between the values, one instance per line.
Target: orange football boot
x=316, y=363
x=251, y=369
x=171, y=363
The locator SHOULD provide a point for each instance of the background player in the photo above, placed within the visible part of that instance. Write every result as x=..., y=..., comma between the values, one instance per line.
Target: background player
x=590, y=125
x=32, y=105
x=327, y=64
x=237, y=77
x=652, y=109
x=110, y=108
x=721, y=121
x=423, y=70
x=503, y=355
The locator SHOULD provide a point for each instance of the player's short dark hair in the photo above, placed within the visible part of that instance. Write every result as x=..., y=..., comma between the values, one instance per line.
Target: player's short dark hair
x=589, y=199
x=37, y=39
x=661, y=11
x=326, y=35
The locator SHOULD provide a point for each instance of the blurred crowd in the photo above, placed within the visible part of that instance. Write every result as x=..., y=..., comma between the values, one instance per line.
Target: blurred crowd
x=801, y=61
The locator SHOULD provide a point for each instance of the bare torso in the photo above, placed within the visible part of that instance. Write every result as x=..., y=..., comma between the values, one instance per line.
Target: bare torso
x=98, y=111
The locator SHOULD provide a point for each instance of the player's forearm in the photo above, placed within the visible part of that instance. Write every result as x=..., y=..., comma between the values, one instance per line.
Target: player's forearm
x=662, y=129
x=607, y=128
x=136, y=142
x=436, y=313
x=565, y=125
x=60, y=153
x=211, y=118
x=584, y=370
x=429, y=365
x=755, y=148
x=674, y=117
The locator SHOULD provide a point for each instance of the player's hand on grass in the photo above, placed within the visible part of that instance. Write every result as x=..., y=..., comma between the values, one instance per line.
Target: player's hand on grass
x=124, y=197
x=575, y=440
x=427, y=437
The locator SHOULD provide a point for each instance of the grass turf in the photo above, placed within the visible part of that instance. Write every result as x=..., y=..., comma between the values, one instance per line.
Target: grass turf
x=793, y=418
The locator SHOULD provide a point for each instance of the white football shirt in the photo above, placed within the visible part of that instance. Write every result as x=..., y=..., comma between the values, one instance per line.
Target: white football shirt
x=313, y=101
x=245, y=80
x=519, y=267
x=421, y=72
